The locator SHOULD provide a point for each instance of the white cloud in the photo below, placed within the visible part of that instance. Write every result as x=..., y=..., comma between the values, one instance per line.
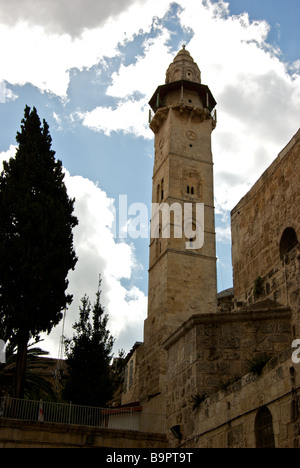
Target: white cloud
x=129, y=116
x=6, y=155
x=258, y=109
x=6, y=94
x=223, y=234
x=148, y=70
x=100, y=253
x=296, y=66
x=258, y=100
x=43, y=57
x=35, y=61
x=63, y=16
x=250, y=83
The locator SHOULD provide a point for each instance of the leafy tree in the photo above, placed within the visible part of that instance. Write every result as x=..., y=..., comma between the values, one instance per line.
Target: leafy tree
x=36, y=240
x=37, y=384
x=90, y=381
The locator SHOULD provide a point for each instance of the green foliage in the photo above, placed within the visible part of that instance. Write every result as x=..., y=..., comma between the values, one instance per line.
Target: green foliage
x=36, y=240
x=37, y=384
x=258, y=287
x=118, y=368
x=257, y=364
x=36, y=243
x=197, y=400
x=89, y=380
x=229, y=382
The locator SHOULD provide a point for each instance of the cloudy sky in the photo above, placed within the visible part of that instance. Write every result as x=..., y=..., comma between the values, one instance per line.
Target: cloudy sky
x=90, y=68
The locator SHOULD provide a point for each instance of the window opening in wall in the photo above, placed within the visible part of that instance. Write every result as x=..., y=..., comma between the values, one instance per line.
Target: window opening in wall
x=157, y=193
x=190, y=190
x=264, y=433
x=288, y=241
x=162, y=189
x=131, y=374
x=158, y=242
x=125, y=379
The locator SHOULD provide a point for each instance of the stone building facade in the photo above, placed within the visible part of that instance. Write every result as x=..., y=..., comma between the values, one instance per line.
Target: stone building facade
x=226, y=369
x=265, y=233
x=220, y=370
x=182, y=175
x=253, y=412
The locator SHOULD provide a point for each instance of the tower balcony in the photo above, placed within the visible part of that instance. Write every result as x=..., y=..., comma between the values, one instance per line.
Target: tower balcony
x=182, y=87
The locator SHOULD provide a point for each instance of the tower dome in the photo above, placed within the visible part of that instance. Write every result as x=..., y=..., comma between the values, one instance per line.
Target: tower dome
x=183, y=67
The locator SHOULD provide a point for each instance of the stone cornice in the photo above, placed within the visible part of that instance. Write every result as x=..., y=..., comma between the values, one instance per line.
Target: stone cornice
x=245, y=315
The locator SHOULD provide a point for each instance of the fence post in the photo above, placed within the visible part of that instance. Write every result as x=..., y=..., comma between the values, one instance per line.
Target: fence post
x=41, y=412
x=2, y=407
x=70, y=412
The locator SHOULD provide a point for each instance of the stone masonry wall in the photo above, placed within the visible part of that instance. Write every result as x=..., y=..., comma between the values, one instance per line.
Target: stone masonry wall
x=22, y=434
x=227, y=418
x=211, y=351
x=258, y=223
x=131, y=376
x=281, y=283
x=261, y=270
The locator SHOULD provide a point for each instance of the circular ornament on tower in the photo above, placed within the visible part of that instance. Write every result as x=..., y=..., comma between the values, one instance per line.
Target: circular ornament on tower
x=191, y=135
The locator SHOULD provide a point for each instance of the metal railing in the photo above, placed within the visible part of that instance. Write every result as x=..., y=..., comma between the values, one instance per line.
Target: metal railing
x=60, y=413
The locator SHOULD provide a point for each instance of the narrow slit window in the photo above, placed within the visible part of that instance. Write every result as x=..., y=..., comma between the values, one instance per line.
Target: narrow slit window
x=157, y=194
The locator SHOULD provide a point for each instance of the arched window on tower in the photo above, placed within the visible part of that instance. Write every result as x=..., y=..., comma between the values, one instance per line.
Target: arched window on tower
x=177, y=75
x=264, y=433
x=158, y=194
x=158, y=242
x=190, y=190
x=288, y=242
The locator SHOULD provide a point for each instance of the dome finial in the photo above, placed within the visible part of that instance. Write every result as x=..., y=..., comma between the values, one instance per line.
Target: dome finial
x=183, y=67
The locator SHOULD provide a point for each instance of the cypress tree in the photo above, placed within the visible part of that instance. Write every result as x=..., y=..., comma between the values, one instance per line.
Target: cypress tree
x=89, y=353
x=36, y=239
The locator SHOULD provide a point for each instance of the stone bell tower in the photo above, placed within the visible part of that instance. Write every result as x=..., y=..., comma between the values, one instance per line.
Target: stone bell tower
x=182, y=268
